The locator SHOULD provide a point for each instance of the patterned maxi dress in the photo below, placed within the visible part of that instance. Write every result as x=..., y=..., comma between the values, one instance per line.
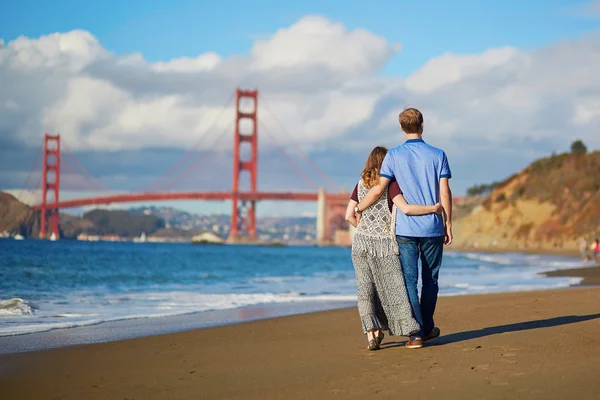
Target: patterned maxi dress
x=382, y=299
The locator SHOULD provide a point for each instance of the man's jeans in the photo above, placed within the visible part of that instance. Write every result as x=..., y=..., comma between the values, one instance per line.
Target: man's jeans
x=430, y=250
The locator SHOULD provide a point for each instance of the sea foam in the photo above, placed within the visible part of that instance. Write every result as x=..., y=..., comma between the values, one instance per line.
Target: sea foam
x=15, y=307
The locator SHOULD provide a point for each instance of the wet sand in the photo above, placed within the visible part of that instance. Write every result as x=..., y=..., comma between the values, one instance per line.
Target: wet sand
x=532, y=345
x=591, y=275
x=562, y=252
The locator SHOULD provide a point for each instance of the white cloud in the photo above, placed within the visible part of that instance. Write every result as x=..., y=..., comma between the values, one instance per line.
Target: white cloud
x=589, y=10
x=507, y=98
x=315, y=41
x=450, y=68
x=204, y=62
x=11, y=105
x=320, y=79
x=96, y=100
x=70, y=51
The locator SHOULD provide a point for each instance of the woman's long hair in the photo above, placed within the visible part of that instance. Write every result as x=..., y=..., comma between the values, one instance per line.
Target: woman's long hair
x=370, y=174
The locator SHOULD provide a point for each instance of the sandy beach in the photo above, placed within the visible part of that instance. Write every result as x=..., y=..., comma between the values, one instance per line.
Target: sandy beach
x=532, y=345
x=562, y=252
x=591, y=275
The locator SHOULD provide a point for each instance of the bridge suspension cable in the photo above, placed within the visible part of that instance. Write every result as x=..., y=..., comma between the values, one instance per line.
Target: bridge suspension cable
x=93, y=181
x=298, y=148
x=73, y=179
x=306, y=177
x=200, y=157
x=154, y=184
x=35, y=162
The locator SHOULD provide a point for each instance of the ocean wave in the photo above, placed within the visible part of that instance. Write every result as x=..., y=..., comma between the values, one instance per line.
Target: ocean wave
x=130, y=290
x=15, y=306
x=491, y=258
x=155, y=305
x=279, y=279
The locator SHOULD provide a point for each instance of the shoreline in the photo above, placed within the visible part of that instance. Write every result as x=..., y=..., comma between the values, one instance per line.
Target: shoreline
x=110, y=331
x=125, y=329
x=533, y=345
x=570, y=253
x=590, y=275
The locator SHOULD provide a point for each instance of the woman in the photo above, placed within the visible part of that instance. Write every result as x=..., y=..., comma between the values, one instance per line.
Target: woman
x=382, y=299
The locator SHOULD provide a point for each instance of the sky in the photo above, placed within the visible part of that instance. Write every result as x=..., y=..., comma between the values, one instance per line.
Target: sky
x=133, y=86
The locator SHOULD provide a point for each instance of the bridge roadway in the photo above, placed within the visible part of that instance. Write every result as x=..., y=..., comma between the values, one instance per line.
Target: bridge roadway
x=214, y=196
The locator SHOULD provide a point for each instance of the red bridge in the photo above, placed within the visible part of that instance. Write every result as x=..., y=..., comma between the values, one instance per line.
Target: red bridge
x=331, y=207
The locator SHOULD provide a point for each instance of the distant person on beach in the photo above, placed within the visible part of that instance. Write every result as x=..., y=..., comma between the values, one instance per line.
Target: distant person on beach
x=584, y=247
x=596, y=249
x=383, y=303
x=423, y=173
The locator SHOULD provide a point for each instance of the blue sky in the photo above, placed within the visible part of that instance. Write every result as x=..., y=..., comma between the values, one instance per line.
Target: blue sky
x=492, y=77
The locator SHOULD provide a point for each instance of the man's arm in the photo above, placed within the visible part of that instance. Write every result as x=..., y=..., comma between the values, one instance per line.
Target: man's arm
x=446, y=200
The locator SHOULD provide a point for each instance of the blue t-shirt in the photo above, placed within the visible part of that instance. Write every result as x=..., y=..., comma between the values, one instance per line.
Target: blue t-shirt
x=418, y=168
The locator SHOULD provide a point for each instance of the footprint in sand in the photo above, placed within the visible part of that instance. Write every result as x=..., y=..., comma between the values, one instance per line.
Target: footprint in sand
x=504, y=358
x=410, y=382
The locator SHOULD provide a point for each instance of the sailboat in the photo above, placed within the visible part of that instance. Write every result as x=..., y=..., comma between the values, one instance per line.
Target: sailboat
x=141, y=239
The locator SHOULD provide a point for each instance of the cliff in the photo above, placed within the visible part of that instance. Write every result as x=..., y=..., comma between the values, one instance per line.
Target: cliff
x=553, y=203
x=17, y=218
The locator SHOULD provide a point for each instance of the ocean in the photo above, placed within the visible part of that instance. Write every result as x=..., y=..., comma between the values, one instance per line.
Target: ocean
x=48, y=286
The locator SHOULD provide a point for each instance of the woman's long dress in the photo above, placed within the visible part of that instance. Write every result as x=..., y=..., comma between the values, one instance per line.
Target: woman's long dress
x=382, y=299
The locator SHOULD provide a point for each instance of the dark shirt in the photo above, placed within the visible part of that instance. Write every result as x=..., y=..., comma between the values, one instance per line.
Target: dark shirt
x=393, y=191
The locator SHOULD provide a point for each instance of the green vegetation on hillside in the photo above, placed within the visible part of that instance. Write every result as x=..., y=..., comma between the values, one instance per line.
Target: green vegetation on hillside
x=480, y=190
x=577, y=147
x=122, y=223
x=19, y=218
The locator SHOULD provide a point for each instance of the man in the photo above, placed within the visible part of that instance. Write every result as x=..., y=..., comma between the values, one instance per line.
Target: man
x=422, y=171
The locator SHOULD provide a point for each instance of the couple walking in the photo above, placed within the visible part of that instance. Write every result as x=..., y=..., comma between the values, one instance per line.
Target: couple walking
x=388, y=244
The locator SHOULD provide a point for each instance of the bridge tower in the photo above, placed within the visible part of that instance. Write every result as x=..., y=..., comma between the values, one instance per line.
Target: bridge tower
x=243, y=214
x=50, y=183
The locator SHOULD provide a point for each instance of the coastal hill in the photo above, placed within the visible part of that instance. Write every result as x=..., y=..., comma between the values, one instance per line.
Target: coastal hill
x=554, y=203
x=156, y=222
x=17, y=218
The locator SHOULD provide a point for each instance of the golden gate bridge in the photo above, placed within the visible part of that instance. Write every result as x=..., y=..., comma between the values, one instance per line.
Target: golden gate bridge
x=330, y=210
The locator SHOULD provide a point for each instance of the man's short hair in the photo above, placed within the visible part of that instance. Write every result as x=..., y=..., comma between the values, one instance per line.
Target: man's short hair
x=411, y=120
